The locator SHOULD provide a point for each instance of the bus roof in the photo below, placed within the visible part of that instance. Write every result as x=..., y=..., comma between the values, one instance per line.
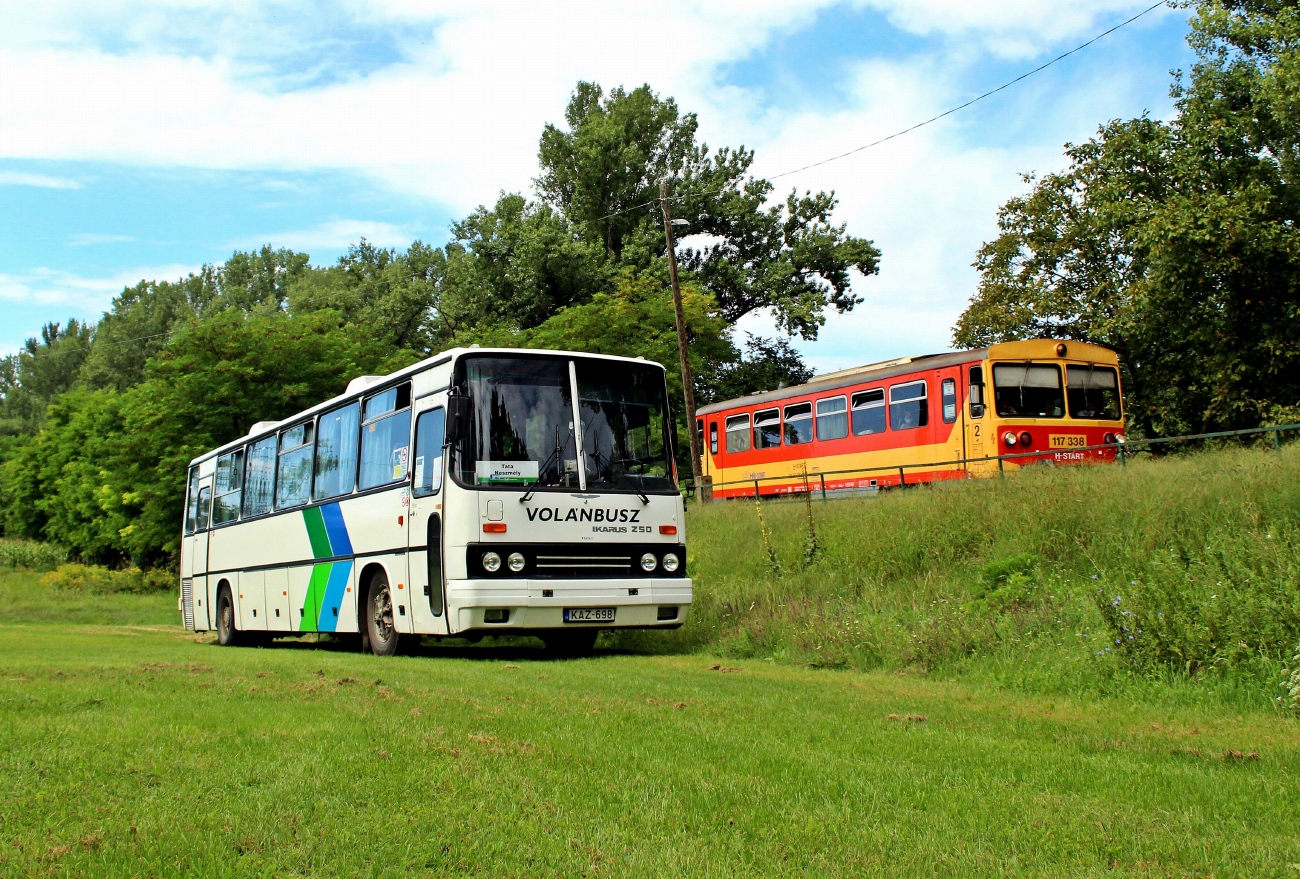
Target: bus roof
x=354, y=391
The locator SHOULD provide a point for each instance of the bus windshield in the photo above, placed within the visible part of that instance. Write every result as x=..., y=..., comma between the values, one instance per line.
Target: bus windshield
x=522, y=428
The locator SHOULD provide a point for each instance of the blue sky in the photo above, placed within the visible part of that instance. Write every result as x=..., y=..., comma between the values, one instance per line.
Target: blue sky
x=144, y=139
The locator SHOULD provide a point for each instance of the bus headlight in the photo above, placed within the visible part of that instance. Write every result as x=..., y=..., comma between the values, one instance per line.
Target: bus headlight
x=491, y=562
x=670, y=562
x=649, y=562
x=516, y=562
x=1109, y=439
x=1009, y=438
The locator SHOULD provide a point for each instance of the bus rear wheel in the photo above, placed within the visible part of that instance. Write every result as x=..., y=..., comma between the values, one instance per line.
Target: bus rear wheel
x=227, y=634
x=379, y=633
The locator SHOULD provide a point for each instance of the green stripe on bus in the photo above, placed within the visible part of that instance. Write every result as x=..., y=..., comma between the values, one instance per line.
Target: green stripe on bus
x=320, y=539
x=320, y=577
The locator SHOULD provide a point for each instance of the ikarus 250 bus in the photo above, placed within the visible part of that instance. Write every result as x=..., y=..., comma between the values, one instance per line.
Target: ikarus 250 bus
x=481, y=491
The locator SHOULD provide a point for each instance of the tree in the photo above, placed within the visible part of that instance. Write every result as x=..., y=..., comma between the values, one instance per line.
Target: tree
x=767, y=364
x=46, y=367
x=1174, y=243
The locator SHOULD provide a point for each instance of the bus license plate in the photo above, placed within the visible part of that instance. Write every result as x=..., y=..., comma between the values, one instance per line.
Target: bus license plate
x=1068, y=440
x=589, y=614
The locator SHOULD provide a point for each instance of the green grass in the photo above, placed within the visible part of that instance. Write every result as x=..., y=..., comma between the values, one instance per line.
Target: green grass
x=24, y=598
x=1015, y=579
x=149, y=751
x=130, y=747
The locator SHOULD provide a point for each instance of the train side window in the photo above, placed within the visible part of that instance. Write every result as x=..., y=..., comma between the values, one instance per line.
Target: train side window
x=738, y=433
x=869, y=412
x=798, y=424
x=908, y=406
x=767, y=429
x=699, y=432
x=976, y=385
x=713, y=437
x=949, y=392
x=832, y=418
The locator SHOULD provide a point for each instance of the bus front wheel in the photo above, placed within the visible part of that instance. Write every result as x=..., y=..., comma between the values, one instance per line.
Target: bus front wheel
x=379, y=634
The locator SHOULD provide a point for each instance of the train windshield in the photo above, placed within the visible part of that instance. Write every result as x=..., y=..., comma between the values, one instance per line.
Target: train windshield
x=1028, y=390
x=1093, y=392
x=522, y=428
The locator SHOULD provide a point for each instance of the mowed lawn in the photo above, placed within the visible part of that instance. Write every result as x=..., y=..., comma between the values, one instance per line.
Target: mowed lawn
x=147, y=751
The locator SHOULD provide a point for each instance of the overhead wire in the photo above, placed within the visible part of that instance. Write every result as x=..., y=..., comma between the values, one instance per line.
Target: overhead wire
x=875, y=143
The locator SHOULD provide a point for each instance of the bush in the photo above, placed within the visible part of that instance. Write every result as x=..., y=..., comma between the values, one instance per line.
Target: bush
x=98, y=580
x=30, y=554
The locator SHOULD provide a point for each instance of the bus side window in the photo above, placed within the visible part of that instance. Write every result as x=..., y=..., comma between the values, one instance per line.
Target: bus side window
x=192, y=504
x=259, y=477
x=228, y=486
x=385, y=437
x=713, y=437
x=976, y=392
x=205, y=499
x=949, y=388
x=428, y=452
x=699, y=432
x=293, y=474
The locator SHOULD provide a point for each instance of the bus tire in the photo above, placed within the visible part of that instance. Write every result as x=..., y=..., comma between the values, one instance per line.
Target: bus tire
x=379, y=634
x=228, y=635
x=570, y=642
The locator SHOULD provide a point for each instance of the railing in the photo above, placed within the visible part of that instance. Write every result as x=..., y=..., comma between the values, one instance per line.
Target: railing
x=1123, y=451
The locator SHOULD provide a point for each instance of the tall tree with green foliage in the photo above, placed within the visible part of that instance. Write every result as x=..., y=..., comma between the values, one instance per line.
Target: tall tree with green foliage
x=1174, y=243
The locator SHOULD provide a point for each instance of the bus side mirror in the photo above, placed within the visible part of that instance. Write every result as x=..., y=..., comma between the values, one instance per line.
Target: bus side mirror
x=458, y=415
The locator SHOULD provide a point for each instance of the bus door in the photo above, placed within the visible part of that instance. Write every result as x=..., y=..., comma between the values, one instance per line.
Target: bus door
x=980, y=442
x=424, y=519
x=197, y=552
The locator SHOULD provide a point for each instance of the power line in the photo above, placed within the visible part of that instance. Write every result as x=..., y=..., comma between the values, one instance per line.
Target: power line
x=836, y=158
x=975, y=100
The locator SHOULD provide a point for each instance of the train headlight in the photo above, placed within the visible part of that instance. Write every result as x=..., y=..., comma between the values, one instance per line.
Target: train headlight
x=649, y=562
x=670, y=562
x=1109, y=439
x=1119, y=438
x=516, y=561
x=1009, y=438
x=1026, y=439
x=491, y=562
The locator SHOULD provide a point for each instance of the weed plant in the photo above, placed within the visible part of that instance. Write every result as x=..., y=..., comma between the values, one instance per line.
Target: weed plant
x=98, y=580
x=30, y=554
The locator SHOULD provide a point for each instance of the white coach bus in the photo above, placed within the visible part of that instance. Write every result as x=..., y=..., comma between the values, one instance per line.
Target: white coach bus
x=481, y=491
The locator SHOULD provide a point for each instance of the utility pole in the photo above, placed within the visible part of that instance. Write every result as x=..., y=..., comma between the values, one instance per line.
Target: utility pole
x=688, y=384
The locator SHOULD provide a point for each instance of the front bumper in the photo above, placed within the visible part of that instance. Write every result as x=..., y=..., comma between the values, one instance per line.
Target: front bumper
x=540, y=604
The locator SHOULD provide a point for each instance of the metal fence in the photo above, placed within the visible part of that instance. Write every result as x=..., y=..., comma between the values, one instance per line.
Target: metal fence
x=1123, y=451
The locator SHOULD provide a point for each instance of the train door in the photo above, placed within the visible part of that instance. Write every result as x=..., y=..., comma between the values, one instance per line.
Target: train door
x=979, y=443
x=425, y=569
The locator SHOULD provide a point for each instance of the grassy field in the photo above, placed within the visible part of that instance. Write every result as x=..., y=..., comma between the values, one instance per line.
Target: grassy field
x=1072, y=580
x=141, y=750
x=927, y=697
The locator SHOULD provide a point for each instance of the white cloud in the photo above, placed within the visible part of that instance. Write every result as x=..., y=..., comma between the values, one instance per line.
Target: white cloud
x=455, y=116
x=333, y=235
x=84, y=295
x=86, y=239
x=41, y=181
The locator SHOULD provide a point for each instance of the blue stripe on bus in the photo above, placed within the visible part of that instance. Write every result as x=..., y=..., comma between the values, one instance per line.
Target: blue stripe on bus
x=337, y=530
x=340, y=574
